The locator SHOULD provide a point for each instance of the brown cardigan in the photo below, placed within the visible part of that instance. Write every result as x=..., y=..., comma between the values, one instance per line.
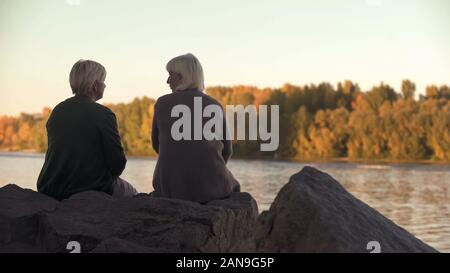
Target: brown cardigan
x=192, y=170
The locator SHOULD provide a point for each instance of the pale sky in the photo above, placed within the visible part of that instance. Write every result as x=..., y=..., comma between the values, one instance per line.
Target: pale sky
x=261, y=43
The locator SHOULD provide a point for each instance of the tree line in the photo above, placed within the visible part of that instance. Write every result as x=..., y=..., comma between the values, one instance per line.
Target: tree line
x=316, y=122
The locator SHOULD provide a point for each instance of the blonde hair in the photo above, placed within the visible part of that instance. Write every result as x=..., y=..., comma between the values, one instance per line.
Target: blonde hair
x=83, y=75
x=190, y=69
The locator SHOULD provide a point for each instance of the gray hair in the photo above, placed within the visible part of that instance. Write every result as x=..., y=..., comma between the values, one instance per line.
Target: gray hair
x=190, y=69
x=83, y=75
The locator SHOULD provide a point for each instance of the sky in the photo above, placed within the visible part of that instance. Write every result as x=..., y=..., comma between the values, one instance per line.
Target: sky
x=263, y=43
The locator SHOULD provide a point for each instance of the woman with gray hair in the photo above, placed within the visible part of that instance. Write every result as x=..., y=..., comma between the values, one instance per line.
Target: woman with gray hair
x=84, y=147
x=189, y=169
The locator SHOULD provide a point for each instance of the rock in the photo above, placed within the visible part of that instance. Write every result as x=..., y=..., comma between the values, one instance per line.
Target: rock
x=31, y=222
x=20, y=211
x=117, y=245
x=314, y=213
x=311, y=213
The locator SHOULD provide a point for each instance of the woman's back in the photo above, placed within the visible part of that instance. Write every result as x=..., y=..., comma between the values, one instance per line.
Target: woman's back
x=189, y=169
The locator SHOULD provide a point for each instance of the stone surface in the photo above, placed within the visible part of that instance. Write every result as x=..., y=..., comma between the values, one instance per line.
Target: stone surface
x=20, y=212
x=314, y=213
x=31, y=222
x=311, y=213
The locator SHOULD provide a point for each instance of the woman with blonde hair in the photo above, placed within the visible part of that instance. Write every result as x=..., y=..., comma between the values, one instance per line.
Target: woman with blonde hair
x=190, y=169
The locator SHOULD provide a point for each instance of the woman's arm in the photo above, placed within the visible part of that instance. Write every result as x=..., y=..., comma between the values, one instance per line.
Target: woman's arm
x=112, y=146
x=227, y=142
x=227, y=150
x=155, y=131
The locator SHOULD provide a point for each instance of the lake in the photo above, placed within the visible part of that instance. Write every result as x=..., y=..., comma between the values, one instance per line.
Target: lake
x=415, y=196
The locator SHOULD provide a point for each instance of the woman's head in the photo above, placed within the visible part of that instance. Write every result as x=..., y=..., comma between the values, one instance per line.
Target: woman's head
x=87, y=78
x=185, y=72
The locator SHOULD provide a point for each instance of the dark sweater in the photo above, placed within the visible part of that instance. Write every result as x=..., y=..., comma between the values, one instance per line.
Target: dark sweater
x=84, y=149
x=192, y=170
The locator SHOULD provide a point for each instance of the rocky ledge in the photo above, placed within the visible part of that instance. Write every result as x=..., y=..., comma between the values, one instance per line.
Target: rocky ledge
x=311, y=213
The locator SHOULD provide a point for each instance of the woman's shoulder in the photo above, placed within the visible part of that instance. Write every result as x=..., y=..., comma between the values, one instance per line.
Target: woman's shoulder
x=185, y=97
x=210, y=100
x=164, y=98
x=174, y=96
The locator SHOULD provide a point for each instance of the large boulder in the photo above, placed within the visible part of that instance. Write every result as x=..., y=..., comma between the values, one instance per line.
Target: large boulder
x=314, y=213
x=311, y=213
x=20, y=212
x=31, y=222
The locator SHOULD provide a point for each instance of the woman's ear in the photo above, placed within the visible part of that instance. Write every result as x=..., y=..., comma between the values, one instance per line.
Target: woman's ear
x=95, y=85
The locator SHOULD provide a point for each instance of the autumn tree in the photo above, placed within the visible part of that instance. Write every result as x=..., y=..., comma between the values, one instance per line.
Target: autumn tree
x=408, y=89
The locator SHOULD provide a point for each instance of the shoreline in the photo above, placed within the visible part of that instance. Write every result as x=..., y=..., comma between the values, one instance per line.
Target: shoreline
x=343, y=160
